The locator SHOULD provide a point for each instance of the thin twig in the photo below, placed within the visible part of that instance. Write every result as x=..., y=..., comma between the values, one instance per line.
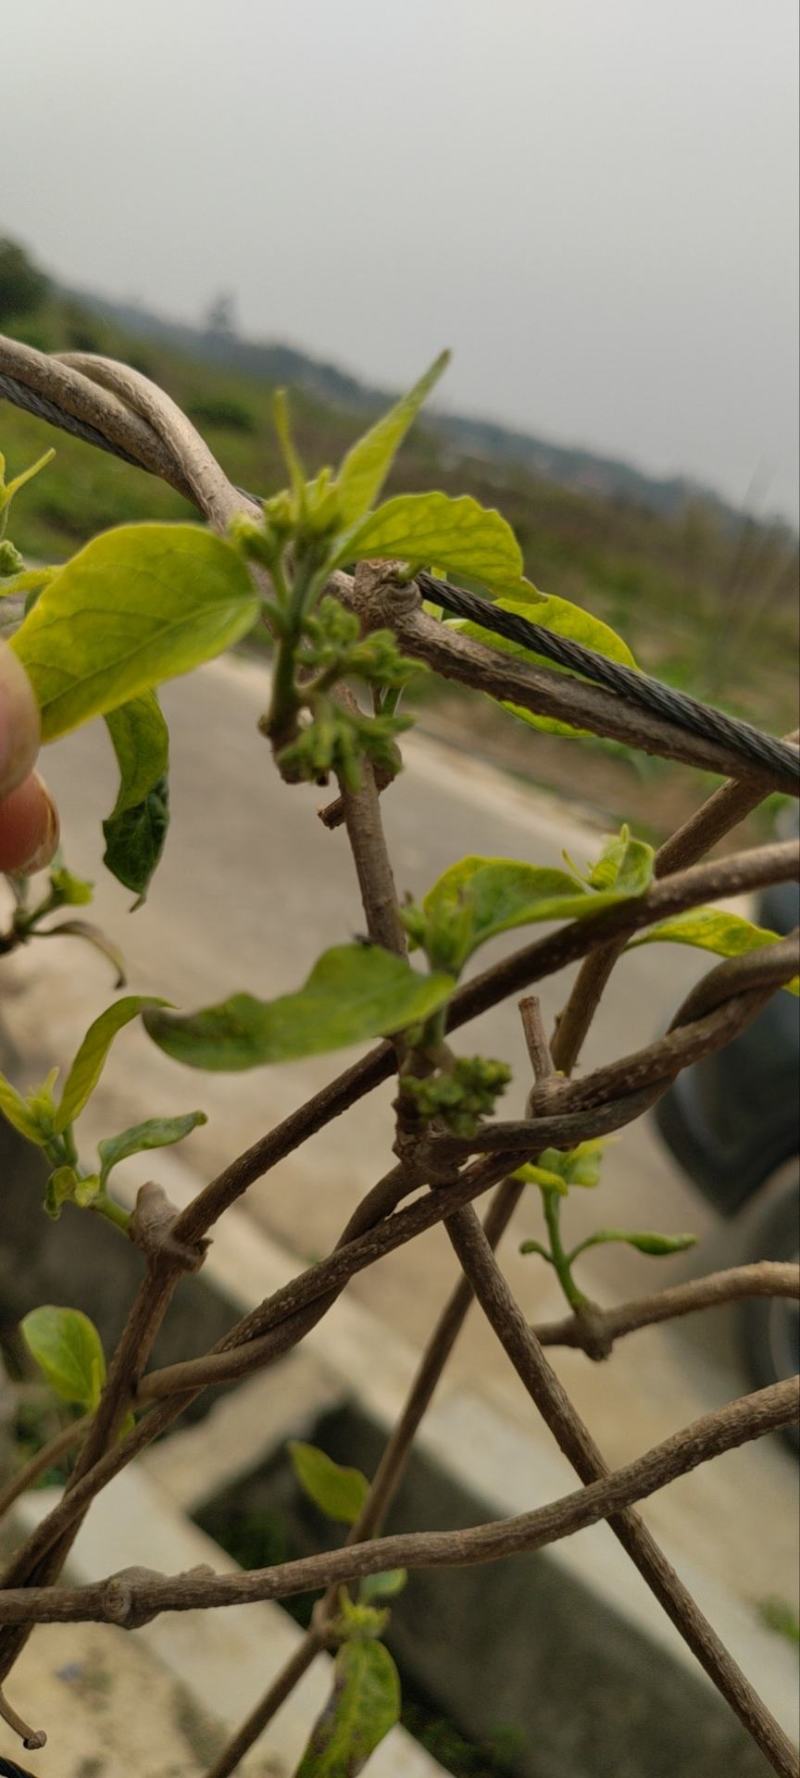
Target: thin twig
x=766, y=1278
x=716, y=817
x=714, y=881
x=50, y=1454
x=577, y=1444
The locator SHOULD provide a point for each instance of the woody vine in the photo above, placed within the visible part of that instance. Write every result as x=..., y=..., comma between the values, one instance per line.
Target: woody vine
x=332, y=570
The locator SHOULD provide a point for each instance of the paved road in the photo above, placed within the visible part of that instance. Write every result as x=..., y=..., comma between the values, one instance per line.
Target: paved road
x=252, y=888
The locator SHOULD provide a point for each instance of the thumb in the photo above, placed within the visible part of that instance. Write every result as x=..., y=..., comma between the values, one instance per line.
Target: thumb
x=19, y=722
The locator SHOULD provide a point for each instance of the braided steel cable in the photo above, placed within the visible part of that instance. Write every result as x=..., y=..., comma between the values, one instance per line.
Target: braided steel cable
x=20, y=395
x=764, y=752
x=661, y=700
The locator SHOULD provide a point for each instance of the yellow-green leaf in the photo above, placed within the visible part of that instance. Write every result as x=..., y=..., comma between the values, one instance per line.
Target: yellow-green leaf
x=337, y=1491
x=712, y=929
x=564, y=619
x=462, y=536
x=557, y=1169
x=137, y=605
x=363, y=1707
x=644, y=1241
x=354, y=992
x=155, y=1132
x=480, y=897
x=136, y=829
x=366, y=466
x=90, y=1060
x=16, y=1112
x=67, y=1348
x=140, y=739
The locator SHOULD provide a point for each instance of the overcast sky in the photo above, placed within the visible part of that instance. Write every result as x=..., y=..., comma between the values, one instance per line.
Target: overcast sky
x=593, y=201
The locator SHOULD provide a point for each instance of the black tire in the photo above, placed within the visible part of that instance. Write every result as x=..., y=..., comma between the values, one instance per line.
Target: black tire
x=770, y=1327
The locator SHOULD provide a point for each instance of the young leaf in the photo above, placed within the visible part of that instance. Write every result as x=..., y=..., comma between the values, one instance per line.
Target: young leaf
x=547, y=1180
x=28, y=584
x=90, y=1060
x=366, y=466
x=69, y=891
x=66, y=1346
x=155, y=1132
x=419, y=528
x=382, y=1586
x=140, y=738
x=480, y=897
x=137, y=605
x=624, y=864
x=712, y=929
x=354, y=992
x=135, y=840
x=16, y=1112
x=67, y=1186
x=557, y=1169
x=363, y=1707
x=658, y=1246
x=337, y=1491
x=564, y=619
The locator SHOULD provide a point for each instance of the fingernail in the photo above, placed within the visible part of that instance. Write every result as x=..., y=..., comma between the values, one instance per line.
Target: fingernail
x=49, y=843
x=19, y=723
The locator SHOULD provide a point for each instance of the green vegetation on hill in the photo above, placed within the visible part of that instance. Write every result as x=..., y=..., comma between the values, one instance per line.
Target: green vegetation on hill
x=702, y=603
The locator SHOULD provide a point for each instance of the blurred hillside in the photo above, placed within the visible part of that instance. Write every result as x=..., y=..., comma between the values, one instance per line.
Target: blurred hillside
x=706, y=598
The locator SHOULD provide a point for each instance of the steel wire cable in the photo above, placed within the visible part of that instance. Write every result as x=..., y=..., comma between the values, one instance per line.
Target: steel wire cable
x=761, y=751
x=661, y=700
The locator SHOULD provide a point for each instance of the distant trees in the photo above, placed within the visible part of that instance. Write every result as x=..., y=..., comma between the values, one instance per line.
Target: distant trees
x=23, y=287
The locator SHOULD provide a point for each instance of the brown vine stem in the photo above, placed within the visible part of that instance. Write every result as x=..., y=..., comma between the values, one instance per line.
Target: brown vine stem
x=455, y=656
x=705, y=882
x=276, y=1326
x=765, y=1278
x=215, y=496
x=717, y=816
x=135, y=1596
x=596, y=1336
x=577, y=1444
x=132, y=1352
x=50, y=1454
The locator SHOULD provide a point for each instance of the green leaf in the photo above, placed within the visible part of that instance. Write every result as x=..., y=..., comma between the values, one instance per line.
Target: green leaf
x=135, y=840
x=625, y=864
x=363, y=1707
x=564, y=619
x=16, y=1112
x=66, y=1346
x=354, y=992
x=382, y=1586
x=658, y=1246
x=30, y=581
x=67, y=1186
x=419, y=528
x=557, y=1169
x=68, y=890
x=712, y=929
x=155, y=1132
x=365, y=468
x=140, y=738
x=337, y=1491
x=90, y=1060
x=137, y=605
x=480, y=897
